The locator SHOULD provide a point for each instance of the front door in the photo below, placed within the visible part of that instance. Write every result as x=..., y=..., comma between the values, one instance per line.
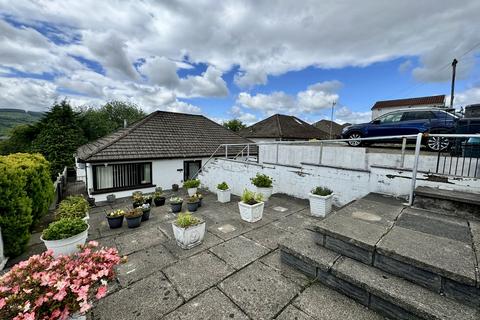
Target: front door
x=190, y=168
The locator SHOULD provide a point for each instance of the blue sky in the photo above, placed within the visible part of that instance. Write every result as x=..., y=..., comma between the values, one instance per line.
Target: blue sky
x=237, y=59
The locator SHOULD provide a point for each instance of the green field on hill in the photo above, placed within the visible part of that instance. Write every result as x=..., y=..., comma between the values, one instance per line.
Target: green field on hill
x=10, y=118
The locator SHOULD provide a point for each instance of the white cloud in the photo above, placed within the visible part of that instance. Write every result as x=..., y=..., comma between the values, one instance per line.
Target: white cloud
x=246, y=117
x=26, y=94
x=161, y=71
x=183, y=107
x=346, y=115
x=466, y=97
x=405, y=66
x=208, y=84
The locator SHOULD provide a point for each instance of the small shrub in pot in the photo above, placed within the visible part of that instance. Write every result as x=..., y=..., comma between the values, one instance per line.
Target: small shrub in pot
x=63, y=236
x=138, y=199
x=223, y=192
x=192, y=203
x=176, y=204
x=158, y=197
x=134, y=217
x=320, y=201
x=264, y=185
x=188, y=230
x=146, y=211
x=115, y=218
x=148, y=199
x=191, y=186
x=251, y=206
x=73, y=207
x=199, y=196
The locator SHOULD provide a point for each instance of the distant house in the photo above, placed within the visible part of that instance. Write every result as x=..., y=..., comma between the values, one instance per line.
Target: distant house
x=162, y=149
x=382, y=107
x=325, y=126
x=281, y=127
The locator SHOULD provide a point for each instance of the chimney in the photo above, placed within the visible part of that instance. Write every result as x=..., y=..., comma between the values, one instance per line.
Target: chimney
x=124, y=123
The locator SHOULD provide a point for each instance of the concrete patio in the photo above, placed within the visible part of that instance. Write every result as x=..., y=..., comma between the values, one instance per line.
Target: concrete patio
x=235, y=274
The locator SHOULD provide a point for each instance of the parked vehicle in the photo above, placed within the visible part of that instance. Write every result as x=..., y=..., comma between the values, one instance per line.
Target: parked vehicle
x=405, y=122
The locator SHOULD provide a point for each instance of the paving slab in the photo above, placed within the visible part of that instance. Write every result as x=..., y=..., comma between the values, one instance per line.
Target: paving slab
x=297, y=221
x=292, y=312
x=143, y=263
x=239, y=251
x=321, y=302
x=269, y=236
x=211, y=304
x=147, y=299
x=410, y=297
x=259, y=290
x=466, y=197
x=240, y=227
x=197, y=273
x=274, y=261
x=449, y=258
x=141, y=238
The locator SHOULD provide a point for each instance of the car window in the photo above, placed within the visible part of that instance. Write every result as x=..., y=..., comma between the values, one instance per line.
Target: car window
x=417, y=115
x=391, y=117
x=443, y=115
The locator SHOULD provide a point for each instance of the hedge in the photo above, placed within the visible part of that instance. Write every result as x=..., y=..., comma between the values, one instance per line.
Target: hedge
x=26, y=192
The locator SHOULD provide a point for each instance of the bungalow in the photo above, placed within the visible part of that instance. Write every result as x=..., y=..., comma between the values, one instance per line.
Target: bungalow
x=281, y=127
x=382, y=107
x=162, y=149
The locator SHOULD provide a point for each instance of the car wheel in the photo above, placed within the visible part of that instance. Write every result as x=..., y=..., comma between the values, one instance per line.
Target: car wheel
x=437, y=143
x=353, y=142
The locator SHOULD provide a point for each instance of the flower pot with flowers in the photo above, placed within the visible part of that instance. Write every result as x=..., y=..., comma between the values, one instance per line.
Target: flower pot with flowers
x=199, y=196
x=176, y=204
x=158, y=197
x=115, y=218
x=146, y=211
x=223, y=192
x=64, y=236
x=189, y=231
x=251, y=206
x=45, y=287
x=192, y=203
x=320, y=201
x=134, y=217
x=148, y=199
x=138, y=199
x=263, y=184
x=191, y=186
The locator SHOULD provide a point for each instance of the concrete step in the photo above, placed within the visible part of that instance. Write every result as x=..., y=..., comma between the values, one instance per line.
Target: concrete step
x=392, y=296
x=434, y=251
x=447, y=202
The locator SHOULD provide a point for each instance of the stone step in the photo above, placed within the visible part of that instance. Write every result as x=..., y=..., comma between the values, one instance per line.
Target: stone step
x=448, y=202
x=430, y=250
x=392, y=296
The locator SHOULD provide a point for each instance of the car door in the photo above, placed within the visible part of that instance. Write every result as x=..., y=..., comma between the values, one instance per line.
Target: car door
x=386, y=125
x=414, y=122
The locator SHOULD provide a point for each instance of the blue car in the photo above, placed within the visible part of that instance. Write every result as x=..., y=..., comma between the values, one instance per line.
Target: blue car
x=405, y=122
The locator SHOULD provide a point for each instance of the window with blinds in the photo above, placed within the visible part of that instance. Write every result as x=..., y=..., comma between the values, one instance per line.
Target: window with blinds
x=122, y=176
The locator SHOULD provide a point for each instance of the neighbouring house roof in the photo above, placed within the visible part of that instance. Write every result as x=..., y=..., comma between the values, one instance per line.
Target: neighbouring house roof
x=162, y=135
x=324, y=125
x=438, y=100
x=281, y=126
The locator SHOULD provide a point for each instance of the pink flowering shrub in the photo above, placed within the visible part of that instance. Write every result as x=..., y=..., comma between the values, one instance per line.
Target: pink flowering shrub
x=43, y=287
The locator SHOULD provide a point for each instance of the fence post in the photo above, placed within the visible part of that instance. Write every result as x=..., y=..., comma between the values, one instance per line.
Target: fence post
x=404, y=145
x=226, y=151
x=320, y=155
x=276, y=156
x=415, y=168
x=248, y=151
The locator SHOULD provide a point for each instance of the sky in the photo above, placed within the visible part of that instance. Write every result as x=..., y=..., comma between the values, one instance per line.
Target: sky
x=238, y=59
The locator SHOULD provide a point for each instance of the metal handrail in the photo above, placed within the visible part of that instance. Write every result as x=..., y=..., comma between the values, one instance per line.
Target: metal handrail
x=208, y=160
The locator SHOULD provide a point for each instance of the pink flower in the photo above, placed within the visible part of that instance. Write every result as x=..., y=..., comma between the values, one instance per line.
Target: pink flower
x=2, y=303
x=101, y=292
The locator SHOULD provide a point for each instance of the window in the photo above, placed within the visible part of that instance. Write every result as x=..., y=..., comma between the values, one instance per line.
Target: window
x=417, y=115
x=121, y=176
x=190, y=168
x=391, y=117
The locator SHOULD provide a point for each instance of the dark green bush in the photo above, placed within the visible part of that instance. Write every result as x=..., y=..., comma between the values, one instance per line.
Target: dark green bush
x=64, y=228
x=262, y=181
x=73, y=207
x=194, y=183
x=222, y=186
x=322, y=191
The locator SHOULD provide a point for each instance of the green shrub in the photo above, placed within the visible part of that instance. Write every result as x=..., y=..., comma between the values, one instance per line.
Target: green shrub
x=194, y=183
x=157, y=195
x=73, y=207
x=250, y=197
x=185, y=220
x=15, y=208
x=322, y=191
x=262, y=181
x=222, y=186
x=64, y=228
x=192, y=199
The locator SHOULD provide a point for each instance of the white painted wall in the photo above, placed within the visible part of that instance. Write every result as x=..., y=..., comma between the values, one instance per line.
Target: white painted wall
x=378, y=112
x=164, y=174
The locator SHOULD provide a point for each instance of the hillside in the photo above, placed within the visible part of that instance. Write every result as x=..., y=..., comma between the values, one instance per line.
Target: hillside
x=10, y=118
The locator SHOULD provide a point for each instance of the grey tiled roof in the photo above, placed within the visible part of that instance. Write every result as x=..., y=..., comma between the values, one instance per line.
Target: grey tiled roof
x=162, y=135
x=324, y=125
x=281, y=126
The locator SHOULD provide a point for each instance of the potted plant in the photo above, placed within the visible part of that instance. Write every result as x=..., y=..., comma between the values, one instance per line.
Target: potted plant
x=148, y=199
x=45, y=287
x=263, y=184
x=64, y=236
x=111, y=198
x=251, y=206
x=199, y=196
x=91, y=201
x=223, y=192
x=115, y=218
x=73, y=207
x=134, y=217
x=138, y=199
x=191, y=186
x=175, y=187
x=176, y=204
x=192, y=203
x=188, y=230
x=320, y=201
x=146, y=211
x=158, y=197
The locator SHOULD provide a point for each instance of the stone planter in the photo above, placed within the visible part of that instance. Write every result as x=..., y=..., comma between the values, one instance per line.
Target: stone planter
x=320, y=206
x=134, y=222
x=191, y=191
x=111, y=198
x=68, y=245
x=146, y=215
x=176, y=207
x=192, y=206
x=223, y=196
x=190, y=237
x=115, y=223
x=251, y=213
x=266, y=192
x=159, y=202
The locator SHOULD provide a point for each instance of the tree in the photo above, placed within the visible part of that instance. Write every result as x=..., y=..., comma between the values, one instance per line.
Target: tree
x=20, y=139
x=235, y=125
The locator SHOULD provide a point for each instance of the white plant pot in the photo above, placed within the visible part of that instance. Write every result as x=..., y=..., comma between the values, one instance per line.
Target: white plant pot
x=190, y=237
x=320, y=206
x=266, y=192
x=251, y=213
x=191, y=191
x=223, y=196
x=87, y=217
x=66, y=246
x=77, y=316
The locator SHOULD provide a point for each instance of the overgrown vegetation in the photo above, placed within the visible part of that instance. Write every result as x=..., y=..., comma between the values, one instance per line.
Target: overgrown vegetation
x=262, y=181
x=222, y=186
x=250, y=197
x=73, y=207
x=322, y=191
x=64, y=228
x=194, y=183
x=186, y=219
